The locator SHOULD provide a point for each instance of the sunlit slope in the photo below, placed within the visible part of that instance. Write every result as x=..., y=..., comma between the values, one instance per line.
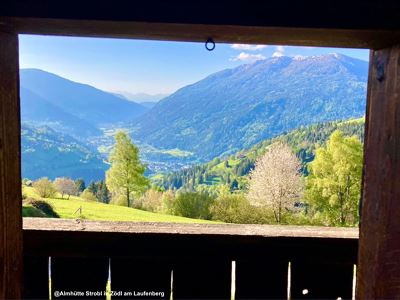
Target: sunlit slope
x=69, y=209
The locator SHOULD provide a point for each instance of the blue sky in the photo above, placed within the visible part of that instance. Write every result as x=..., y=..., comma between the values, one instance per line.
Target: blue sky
x=152, y=67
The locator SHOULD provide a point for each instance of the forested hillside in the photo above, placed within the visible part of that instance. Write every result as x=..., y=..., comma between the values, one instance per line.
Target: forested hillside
x=236, y=108
x=46, y=152
x=232, y=169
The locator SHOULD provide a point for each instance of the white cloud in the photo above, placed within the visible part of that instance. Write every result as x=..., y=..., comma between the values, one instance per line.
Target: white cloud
x=243, y=56
x=279, y=51
x=248, y=47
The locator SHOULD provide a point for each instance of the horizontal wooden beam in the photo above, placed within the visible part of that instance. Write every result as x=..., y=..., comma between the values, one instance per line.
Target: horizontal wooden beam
x=339, y=14
x=178, y=247
x=45, y=224
x=71, y=238
x=324, y=37
x=357, y=24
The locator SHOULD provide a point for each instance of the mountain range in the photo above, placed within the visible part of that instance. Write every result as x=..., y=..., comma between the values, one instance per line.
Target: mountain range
x=79, y=109
x=236, y=108
x=222, y=114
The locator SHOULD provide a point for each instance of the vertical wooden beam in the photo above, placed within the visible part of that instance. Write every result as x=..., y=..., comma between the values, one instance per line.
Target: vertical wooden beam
x=10, y=169
x=379, y=246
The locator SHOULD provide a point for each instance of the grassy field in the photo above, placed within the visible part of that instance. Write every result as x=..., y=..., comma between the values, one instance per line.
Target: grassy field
x=98, y=211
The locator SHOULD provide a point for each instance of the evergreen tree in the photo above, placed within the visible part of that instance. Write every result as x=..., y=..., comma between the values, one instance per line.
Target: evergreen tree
x=92, y=187
x=102, y=192
x=80, y=184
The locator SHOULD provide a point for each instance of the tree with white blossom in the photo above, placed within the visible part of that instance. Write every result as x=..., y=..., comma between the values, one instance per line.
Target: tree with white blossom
x=65, y=186
x=276, y=181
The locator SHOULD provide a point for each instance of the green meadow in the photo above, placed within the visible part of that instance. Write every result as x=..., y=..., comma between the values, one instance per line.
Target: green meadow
x=76, y=207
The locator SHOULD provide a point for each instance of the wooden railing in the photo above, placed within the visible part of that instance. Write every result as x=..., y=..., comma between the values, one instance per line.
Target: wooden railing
x=144, y=256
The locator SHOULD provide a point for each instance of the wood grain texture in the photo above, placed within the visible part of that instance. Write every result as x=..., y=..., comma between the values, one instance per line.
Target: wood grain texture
x=340, y=23
x=379, y=251
x=182, y=241
x=10, y=170
x=45, y=224
x=223, y=33
x=199, y=254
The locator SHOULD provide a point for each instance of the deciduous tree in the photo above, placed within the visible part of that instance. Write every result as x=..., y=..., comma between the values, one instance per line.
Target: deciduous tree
x=44, y=187
x=334, y=183
x=126, y=174
x=276, y=182
x=65, y=186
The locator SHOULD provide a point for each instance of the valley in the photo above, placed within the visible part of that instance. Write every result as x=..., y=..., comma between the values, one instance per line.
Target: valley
x=227, y=112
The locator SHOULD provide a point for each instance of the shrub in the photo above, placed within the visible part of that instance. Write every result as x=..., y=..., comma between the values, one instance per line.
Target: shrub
x=88, y=195
x=193, y=205
x=29, y=211
x=151, y=201
x=24, y=194
x=168, y=202
x=43, y=206
x=119, y=199
x=44, y=188
x=235, y=208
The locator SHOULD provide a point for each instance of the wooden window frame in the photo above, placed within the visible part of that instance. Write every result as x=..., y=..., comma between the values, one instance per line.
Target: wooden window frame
x=364, y=24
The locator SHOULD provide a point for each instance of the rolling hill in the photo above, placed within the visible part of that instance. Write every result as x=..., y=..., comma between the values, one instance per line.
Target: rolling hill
x=49, y=153
x=91, y=210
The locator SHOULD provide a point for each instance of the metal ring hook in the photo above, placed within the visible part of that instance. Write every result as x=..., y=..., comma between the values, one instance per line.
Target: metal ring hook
x=210, y=44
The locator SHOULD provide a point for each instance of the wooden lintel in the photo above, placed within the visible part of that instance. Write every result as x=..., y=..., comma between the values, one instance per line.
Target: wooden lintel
x=271, y=35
